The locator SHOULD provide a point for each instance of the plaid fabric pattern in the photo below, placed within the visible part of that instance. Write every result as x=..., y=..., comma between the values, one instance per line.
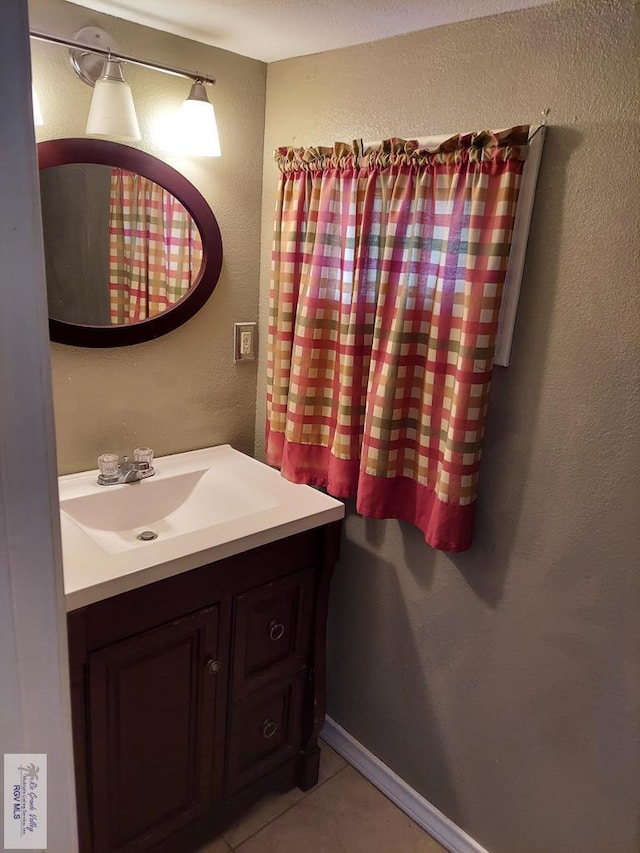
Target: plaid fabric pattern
x=155, y=250
x=388, y=266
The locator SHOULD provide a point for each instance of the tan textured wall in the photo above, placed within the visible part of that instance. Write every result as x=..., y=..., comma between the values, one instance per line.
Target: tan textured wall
x=503, y=684
x=181, y=391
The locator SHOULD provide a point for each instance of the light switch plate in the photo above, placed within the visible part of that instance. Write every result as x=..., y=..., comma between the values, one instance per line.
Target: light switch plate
x=244, y=342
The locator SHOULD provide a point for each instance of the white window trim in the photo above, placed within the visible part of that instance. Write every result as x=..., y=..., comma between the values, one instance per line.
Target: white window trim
x=519, y=240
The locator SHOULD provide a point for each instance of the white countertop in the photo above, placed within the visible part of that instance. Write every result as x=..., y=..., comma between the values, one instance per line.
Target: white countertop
x=246, y=504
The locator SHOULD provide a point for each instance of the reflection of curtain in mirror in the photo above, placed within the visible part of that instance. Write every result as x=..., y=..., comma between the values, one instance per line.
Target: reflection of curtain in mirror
x=155, y=250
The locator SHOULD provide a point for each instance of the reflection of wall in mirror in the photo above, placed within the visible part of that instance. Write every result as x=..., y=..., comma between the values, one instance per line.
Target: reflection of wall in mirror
x=75, y=220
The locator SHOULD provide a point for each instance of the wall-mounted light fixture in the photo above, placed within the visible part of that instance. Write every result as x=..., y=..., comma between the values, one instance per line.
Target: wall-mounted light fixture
x=112, y=112
x=198, y=120
x=98, y=62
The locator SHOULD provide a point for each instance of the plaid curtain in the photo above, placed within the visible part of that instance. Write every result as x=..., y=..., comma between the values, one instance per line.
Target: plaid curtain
x=155, y=250
x=388, y=266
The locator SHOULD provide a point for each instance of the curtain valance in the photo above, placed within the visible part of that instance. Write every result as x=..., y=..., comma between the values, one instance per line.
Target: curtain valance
x=472, y=147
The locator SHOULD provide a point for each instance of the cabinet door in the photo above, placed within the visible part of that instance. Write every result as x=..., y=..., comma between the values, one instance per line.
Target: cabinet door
x=151, y=732
x=272, y=631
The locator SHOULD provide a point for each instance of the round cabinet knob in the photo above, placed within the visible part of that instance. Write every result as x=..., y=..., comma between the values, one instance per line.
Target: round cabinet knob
x=269, y=728
x=276, y=630
x=213, y=666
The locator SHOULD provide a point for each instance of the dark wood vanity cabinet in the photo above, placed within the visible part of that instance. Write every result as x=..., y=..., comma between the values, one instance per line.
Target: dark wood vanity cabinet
x=195, y=695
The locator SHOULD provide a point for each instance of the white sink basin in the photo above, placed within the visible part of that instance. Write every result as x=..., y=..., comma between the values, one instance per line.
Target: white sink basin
x=169, y=505
x=202, y=506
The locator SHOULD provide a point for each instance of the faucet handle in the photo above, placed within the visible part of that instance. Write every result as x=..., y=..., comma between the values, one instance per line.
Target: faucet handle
x=108, y=464
x=143, y=459
x=143, y=454
x=108, y=469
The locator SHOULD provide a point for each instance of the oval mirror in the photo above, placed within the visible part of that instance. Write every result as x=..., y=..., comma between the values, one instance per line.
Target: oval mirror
x=132, y=249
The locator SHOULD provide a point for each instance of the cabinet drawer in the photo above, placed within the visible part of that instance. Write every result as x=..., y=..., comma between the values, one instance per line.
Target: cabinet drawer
x=264, y=732
x=272, y=631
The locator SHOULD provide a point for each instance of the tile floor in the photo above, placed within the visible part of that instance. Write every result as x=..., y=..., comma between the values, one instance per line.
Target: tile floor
x=344, y=813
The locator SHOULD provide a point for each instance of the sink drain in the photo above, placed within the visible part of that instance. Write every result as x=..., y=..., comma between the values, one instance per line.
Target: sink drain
x=147, y=536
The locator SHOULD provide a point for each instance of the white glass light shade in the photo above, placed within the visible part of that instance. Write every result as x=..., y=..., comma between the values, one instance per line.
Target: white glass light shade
x=37, y=112
x=198, y=128
x=112, y=112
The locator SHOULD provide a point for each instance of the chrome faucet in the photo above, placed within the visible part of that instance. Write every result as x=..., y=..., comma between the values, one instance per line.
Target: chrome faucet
x=114, y=472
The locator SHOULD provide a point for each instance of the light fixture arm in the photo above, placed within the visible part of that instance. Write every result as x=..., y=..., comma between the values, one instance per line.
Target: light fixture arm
x=123, y=57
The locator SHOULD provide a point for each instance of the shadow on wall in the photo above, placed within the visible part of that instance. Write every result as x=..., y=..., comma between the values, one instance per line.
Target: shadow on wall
x=374, y=685
x=371, y=639
x=514, y=409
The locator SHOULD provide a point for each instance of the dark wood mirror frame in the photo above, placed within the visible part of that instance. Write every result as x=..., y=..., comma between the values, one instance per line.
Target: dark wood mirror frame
x=57, y=152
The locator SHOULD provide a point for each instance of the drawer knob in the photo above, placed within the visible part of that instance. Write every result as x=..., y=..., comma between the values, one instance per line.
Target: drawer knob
x=269, y=728
x=213, y=666
x=276, y=630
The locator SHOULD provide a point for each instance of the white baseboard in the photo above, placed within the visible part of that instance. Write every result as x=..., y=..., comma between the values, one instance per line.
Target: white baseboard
x=431, y=819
